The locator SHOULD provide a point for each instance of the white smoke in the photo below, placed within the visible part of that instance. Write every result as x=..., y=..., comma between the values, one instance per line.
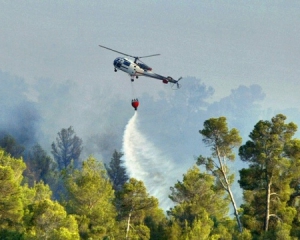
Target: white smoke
x=147, y=163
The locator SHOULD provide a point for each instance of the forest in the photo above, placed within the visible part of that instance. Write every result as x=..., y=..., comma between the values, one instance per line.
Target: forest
x=60, y=196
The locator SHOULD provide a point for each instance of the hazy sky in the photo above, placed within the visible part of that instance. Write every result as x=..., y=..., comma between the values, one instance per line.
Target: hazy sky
x=223, y=43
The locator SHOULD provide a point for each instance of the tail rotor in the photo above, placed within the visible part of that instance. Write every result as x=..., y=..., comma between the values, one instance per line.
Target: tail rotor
x=176, y=83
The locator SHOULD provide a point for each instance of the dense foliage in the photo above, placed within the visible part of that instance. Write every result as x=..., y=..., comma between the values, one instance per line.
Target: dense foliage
x=65, y=197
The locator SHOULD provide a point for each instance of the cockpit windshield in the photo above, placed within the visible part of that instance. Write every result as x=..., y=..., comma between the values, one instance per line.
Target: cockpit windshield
x=117, y=62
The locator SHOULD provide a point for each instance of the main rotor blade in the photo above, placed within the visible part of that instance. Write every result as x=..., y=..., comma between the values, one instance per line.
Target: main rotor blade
x=117, y=51
x=128, y=54
x=150, y=55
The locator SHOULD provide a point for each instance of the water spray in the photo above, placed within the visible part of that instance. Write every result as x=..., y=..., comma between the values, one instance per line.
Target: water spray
x=145, y=162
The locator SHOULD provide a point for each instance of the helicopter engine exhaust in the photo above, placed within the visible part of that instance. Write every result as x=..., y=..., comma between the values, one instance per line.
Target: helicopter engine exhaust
x=144, y=66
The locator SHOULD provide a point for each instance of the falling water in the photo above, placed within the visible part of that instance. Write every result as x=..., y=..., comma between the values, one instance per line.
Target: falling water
x=147, y=163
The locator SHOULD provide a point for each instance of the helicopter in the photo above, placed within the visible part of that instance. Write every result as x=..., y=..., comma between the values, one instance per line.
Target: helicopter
x=136, y=68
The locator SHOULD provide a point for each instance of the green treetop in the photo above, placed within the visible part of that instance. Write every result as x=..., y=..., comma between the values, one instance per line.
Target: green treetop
x=134, y=205
x=201, y=208
x=221, y=141
x=90, y=197
x=267, y=181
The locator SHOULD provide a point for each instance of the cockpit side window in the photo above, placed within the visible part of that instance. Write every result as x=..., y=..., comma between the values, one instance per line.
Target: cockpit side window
x=126, y=63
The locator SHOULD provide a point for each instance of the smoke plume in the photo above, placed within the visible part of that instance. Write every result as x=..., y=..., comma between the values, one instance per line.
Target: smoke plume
x=19, y=116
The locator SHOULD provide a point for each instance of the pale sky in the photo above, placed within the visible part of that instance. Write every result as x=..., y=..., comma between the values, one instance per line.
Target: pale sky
x=223, y=43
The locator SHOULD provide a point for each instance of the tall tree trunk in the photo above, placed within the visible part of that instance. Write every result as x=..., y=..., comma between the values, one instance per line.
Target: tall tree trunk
x=236, y=213
x=128, y=226
x=228, y=189
x=267, y=213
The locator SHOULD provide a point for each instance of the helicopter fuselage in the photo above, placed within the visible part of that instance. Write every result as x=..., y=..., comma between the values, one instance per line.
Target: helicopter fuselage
x=128, y=66
x=139, y=69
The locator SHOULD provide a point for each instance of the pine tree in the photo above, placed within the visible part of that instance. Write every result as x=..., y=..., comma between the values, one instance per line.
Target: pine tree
x=50, y=221
x=293, y=151
x=199, y=206
x=11, y=206
x=222, y=142
x=10, y=145
x=67, y=148
x=39, y=166
x=116, y=171
x=134, y=204
x=90, y=198
x=267, y=181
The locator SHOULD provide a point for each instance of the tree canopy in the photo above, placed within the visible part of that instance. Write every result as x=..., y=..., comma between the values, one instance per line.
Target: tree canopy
x=221, y=141
x=99, y=201
x=116, y=171
x=267, y=183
